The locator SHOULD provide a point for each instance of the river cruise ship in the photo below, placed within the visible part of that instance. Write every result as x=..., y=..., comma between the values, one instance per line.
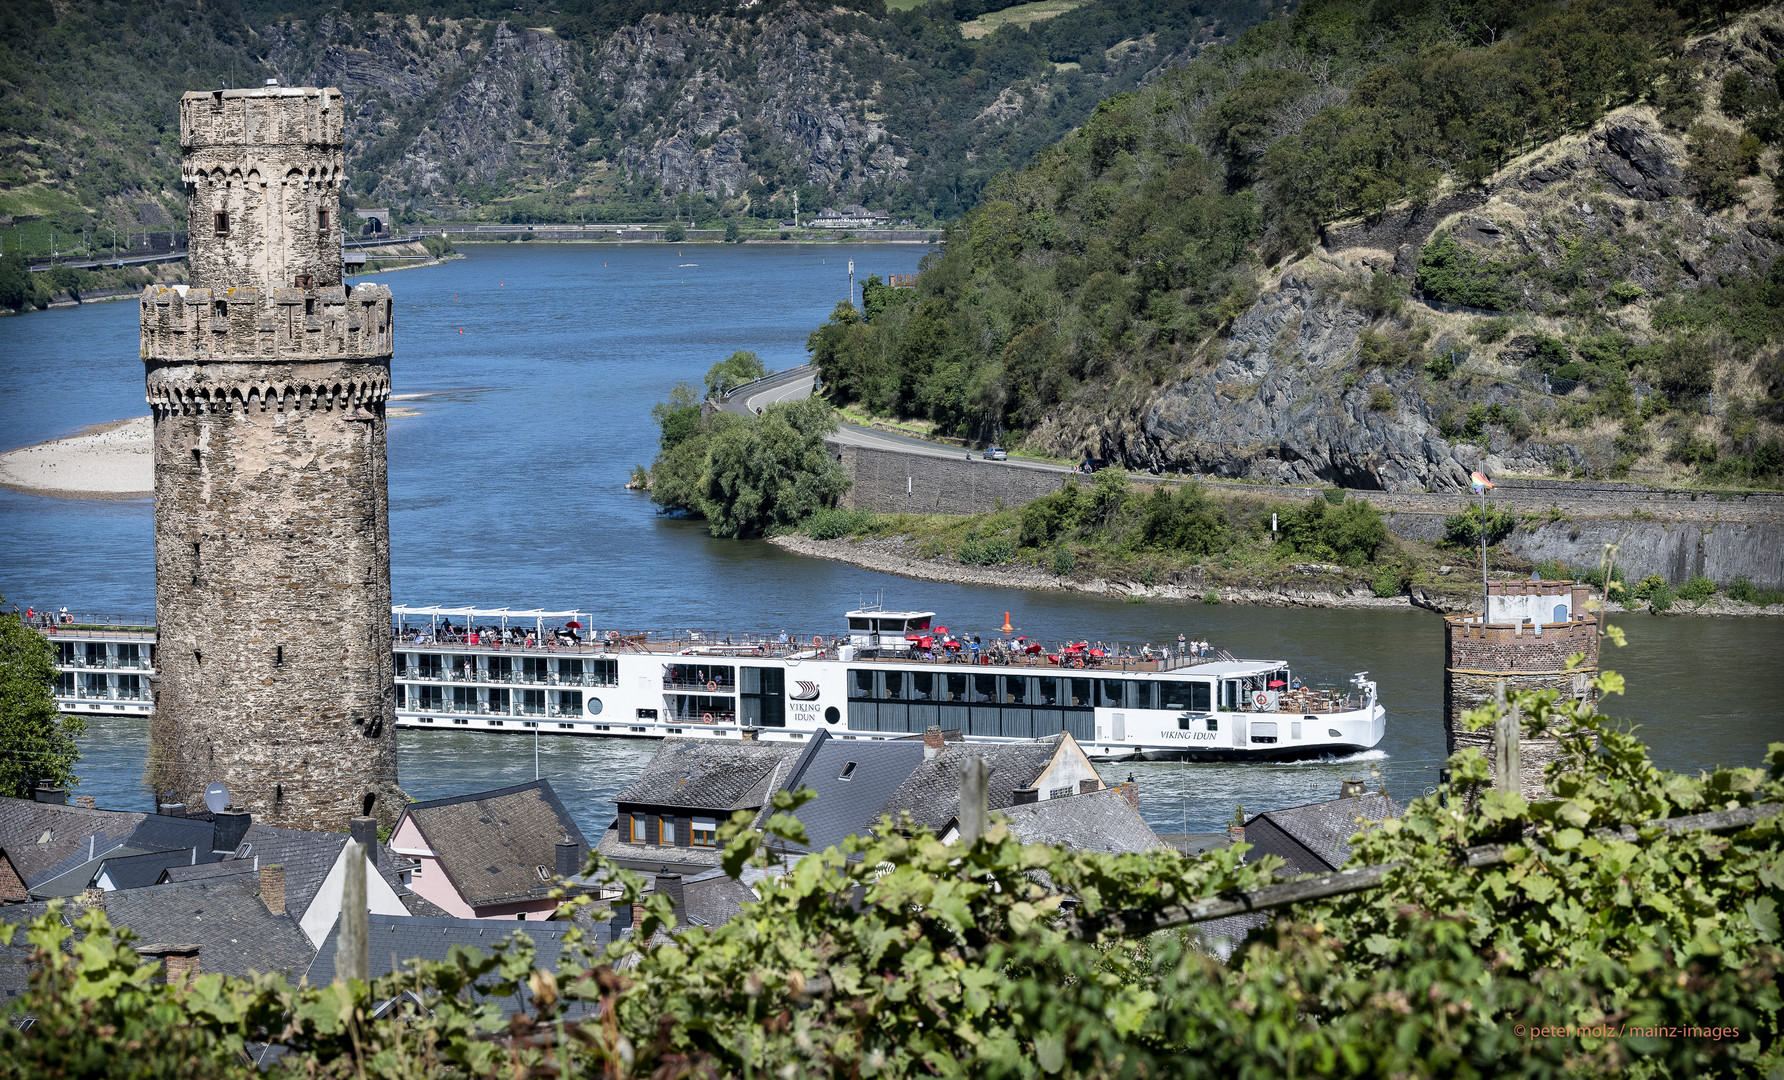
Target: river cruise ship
x=889, y=674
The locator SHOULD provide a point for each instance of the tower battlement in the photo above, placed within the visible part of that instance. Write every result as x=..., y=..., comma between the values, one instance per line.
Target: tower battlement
x=251, y=323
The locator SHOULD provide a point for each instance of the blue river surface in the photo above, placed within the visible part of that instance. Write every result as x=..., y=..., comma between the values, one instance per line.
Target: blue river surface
x=539, y=366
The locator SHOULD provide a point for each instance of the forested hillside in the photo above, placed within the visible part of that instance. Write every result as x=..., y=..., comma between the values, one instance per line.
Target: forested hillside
x=583, y=109
x=1380, y=245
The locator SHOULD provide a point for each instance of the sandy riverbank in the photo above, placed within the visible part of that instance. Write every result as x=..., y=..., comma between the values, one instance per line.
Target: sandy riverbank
x=116, y=460
x=897, y=556
x=106, y=461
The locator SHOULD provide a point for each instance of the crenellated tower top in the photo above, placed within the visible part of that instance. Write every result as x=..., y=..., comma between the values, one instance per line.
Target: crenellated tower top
x=263, y=170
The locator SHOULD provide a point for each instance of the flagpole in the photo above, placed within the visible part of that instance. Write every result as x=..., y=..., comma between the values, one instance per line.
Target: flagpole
x=1485, y=602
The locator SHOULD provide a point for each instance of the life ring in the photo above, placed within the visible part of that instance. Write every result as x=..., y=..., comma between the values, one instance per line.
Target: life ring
x=817, y=641
x=712, y=687
x=613, y=635
x=1260, y=699
x=707, y=719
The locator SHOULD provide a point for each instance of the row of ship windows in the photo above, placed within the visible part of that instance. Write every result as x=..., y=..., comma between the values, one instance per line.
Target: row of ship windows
x=522, y=669
x=1055, y=691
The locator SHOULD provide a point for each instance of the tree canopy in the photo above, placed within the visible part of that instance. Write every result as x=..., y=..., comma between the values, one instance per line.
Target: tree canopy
x=36, y=740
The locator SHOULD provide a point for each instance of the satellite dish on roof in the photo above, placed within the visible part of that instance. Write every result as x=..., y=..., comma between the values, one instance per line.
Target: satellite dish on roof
x=216, y=797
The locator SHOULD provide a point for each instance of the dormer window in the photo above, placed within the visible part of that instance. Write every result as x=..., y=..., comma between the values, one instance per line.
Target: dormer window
x=220, y=222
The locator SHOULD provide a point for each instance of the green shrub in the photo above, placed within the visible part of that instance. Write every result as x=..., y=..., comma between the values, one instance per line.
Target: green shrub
x=675, y=234
x=1182, y=519
x=1490, y=331
x=833, y=523
x=1647, y=587
x=1697, y=589
x=1388, y=582
x=1351, y=533
x=976, y=552
x=1450, y=273
x=1464, y=529
x=1063, y=561
x=1211, y=597
x=1661, y=599
x=1381, y=399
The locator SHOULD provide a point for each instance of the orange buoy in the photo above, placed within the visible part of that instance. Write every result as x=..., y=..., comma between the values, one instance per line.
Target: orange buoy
x=1007, y=628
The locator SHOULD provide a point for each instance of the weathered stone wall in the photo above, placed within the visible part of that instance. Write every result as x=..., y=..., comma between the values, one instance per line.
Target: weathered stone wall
x=1478, y=657
x=892, y=482
x=272, y=522
x=270, y=161
x=1673, y=533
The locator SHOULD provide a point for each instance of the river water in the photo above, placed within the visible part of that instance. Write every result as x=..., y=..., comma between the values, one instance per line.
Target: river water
x=539, y=367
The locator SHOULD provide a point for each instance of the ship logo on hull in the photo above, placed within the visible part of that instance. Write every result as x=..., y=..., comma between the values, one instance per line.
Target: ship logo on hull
x=808, y=691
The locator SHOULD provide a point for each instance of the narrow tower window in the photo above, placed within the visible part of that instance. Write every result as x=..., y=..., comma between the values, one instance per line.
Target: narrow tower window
x=221, y=220
x=219, y=309
x=321, y=221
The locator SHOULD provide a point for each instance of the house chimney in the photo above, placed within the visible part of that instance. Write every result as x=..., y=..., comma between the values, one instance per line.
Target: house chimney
x=1130, y=791
x=670, y=885
x=1085, y=787
x=272, y=887
x=1351, y=787
x=1024, y=795
x=228, y=827
x=365, y=830
x=93, y=897
x=569, y=858
x=46, y=792
x=932, y=741
x=168, y=804
x=179, y=962
x=84, y=800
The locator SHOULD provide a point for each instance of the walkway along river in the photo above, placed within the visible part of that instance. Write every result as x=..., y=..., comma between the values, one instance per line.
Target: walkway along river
x=507, y=489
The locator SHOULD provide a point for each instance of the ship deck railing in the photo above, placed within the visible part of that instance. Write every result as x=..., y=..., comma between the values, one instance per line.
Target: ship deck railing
x=110, y=663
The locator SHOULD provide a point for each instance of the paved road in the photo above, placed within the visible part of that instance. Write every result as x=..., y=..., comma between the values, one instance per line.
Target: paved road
x=794, y=384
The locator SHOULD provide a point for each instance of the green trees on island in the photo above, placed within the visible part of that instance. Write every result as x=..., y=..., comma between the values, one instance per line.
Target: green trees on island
x=747, y=475
x=1596, y=943
x=36, y=740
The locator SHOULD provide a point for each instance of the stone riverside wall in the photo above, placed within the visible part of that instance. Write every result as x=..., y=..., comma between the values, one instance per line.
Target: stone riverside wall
x=1476, y=659
x=1673, y=533
x=268, y=384
x=894, y=482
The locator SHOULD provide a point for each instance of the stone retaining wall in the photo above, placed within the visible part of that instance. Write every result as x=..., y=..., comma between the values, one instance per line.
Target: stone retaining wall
x=1674, y=533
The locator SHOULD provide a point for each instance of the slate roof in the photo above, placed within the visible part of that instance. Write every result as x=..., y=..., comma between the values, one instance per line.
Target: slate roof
x=1322, y=830
x=58, y=849
x=44, y=840
x=932, y=793
x=396, y=939
x=221, y=868
x=492, y=844
x=706, y=774
x=851, y=805
x=713, y=898
x=224, y=916
x=1094, y=821
x=141, y=871
x=306, y=856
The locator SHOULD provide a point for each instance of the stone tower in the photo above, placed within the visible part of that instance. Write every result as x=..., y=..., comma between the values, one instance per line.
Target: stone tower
x=268, y=379
x=1531, y=629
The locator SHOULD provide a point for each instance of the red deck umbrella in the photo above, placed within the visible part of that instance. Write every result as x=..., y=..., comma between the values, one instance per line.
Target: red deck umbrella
x=574, y=625
x=1277, y=682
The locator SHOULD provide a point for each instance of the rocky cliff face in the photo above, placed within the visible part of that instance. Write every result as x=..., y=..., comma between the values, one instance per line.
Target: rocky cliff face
x=733, y=107
x=1582, y=239
x=1282, y=403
